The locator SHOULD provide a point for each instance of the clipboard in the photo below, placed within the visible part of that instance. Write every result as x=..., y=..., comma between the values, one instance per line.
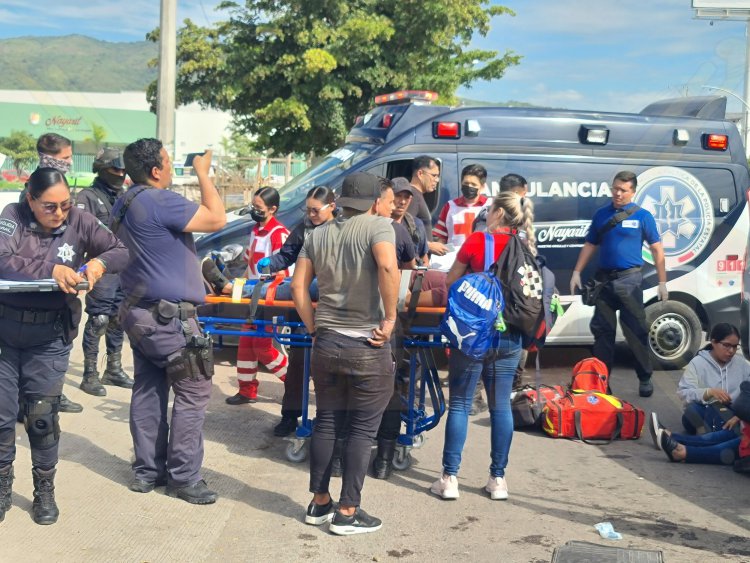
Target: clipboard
x=35, y=286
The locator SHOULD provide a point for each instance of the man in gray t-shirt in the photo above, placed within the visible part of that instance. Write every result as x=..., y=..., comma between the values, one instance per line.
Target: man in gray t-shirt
x=354, y=259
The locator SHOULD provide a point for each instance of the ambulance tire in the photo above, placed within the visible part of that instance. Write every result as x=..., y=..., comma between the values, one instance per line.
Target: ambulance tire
x=675, y=334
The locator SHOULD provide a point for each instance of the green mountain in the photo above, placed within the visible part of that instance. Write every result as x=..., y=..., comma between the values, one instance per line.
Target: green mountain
x=75, y=63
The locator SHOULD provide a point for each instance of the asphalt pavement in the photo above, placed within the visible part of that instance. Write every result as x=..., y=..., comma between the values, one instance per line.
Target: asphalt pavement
x=559, y=489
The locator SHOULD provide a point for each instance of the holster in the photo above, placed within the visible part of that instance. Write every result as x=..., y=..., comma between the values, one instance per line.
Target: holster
x=195, y=361
x=71, y=318
x=592, y=288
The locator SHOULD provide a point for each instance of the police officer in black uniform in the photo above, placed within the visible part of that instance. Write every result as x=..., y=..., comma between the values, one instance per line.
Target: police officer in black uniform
x=43, y=237
x=163, y=285
x=103, y=302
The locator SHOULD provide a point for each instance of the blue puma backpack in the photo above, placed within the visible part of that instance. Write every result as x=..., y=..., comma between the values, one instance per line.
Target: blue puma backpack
x=474, y=303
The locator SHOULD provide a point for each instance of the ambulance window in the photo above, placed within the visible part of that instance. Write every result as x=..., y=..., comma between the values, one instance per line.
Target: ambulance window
x=398, y=168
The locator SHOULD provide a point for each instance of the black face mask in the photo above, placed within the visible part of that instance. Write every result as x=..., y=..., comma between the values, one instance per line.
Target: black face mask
x=112, y=179
x=469, y=192
x=257, y=216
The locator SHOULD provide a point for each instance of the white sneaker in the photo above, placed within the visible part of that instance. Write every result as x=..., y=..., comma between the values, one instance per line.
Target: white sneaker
x=497, y=487
x=446, y=487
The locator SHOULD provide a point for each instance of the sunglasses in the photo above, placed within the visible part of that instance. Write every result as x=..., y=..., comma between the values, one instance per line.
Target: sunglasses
x=313, y=211
x=50, y=208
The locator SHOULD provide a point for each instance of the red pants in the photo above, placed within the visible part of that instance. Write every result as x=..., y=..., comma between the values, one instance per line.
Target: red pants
x=253, y=350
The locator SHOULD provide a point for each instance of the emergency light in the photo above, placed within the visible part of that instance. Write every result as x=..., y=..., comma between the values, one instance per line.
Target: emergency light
x=715, y=142
x=406, y=97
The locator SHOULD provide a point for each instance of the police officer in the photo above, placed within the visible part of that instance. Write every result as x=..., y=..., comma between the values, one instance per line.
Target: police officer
x=103, y=302
x=162, y=286
x=43, y=237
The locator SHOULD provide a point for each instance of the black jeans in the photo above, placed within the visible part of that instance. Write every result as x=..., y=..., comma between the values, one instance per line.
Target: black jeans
x=353, y=384
x=626, y=295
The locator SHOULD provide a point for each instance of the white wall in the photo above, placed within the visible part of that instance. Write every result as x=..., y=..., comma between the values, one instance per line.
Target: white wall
x=199, y=129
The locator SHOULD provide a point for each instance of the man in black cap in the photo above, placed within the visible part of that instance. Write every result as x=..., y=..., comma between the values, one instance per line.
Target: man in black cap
x=103, y=302
x=354, y=259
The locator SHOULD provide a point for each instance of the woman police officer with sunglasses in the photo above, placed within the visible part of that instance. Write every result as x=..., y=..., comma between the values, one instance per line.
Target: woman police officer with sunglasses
x=43, y=237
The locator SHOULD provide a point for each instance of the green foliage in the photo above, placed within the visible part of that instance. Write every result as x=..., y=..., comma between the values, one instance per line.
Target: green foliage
x=20, y=147
x=296, y=73
x=98, y=134
x=75, y=63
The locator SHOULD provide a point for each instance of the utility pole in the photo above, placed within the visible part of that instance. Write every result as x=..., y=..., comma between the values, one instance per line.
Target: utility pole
x=165, y=95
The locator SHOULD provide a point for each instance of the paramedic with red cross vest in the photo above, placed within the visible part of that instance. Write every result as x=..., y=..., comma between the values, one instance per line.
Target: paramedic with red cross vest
x=456, y=218
x=620, y=262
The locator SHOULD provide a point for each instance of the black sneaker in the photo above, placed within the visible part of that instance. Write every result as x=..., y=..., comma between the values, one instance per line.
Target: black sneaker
x=287, y=426
x=645, y=388
x=213, y=276
x=318, y=514
x=358, y=523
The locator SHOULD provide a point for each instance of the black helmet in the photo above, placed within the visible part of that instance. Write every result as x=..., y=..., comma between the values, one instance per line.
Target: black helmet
x=108, y=158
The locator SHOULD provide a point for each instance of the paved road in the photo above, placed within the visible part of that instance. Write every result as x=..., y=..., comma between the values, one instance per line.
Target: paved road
x=558, y=490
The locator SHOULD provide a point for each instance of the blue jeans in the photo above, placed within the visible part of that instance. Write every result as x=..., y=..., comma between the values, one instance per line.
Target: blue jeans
x=497, y=373
x=718, y=448
x=709, y=414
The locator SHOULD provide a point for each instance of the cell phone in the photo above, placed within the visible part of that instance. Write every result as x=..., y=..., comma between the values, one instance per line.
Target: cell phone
x=191, y=156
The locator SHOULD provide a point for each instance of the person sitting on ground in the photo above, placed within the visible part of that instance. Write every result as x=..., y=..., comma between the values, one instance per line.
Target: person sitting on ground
x=711, y=381
x=720, y=447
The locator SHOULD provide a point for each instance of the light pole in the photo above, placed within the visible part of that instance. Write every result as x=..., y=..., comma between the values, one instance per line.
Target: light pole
x=745, y=112
x=165, y=96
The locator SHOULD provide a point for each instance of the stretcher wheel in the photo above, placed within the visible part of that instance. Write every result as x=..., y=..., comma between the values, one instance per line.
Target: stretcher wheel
x=402, y=460
x=296, y=453
x=418, y=441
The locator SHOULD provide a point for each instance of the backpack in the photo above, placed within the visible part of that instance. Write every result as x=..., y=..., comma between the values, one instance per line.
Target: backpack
x=551, y=306
x=590, y=374
x=474, y=303
x=590, y=415
x=523, y=288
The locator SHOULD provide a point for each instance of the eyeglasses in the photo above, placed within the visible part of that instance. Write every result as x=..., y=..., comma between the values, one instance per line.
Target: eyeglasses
x=50, y=208
x=435, y=175
x=729, y=346
x=314, y=211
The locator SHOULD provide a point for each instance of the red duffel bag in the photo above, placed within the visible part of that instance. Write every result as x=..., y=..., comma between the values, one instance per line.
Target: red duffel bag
x=590, y=415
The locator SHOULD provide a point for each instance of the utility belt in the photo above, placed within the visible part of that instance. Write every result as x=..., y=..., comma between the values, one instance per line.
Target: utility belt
x=196, y=359
x=615, y=274
x=31, y=316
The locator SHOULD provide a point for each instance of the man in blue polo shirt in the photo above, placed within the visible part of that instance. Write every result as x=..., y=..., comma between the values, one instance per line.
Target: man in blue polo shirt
x=620, y=262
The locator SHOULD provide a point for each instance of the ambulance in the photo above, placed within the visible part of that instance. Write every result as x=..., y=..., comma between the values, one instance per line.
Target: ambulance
x=692, y=176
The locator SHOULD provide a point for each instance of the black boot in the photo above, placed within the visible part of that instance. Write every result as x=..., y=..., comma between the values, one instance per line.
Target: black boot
x=91, y=383
x=114, y=375
x=6, y=486
x=337, y=461
x=383, y=463
x=66, y=405
x=45, y=507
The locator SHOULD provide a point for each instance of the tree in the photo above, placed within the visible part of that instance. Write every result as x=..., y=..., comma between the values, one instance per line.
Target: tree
x=296, y=73
x=98, y=134
x=20, y=147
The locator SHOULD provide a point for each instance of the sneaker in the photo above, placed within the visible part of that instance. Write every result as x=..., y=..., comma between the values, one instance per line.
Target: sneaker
x=238, y=399
x=358, y=523
x=197, y=493
x=287, y=426
x=213, y=276
x=497, y=487
x=653, y=426
x=318, y=514
x=645, y=388
x=446, y=487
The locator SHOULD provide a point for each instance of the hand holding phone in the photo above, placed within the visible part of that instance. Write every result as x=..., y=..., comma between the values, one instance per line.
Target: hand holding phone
x=202, y=162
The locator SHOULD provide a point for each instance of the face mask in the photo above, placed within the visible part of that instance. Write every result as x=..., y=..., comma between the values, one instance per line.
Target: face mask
x=469, y=192
x=257, y=216
x=47, y=161
x=112, y=179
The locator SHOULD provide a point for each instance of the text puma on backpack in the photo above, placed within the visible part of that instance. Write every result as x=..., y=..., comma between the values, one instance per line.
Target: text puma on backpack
x=474, y=303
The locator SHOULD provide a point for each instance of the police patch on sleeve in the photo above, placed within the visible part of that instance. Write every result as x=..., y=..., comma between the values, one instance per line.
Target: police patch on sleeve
x=8, y=227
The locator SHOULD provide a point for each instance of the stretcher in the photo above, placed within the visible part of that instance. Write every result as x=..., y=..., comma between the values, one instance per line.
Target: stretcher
x=230, y=316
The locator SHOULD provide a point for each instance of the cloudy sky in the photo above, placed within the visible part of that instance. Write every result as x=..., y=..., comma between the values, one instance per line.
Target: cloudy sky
x=613, y=55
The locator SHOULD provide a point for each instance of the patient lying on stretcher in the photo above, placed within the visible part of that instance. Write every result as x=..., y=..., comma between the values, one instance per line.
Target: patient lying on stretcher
x=219, y=284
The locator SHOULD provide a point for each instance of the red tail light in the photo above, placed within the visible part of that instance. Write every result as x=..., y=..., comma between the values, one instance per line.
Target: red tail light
x=387, y=121
x=715, y=142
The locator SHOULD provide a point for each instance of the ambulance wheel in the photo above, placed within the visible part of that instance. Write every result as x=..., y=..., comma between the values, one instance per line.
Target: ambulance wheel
x=674, y=334
x=296, y=453
x=402, y=460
